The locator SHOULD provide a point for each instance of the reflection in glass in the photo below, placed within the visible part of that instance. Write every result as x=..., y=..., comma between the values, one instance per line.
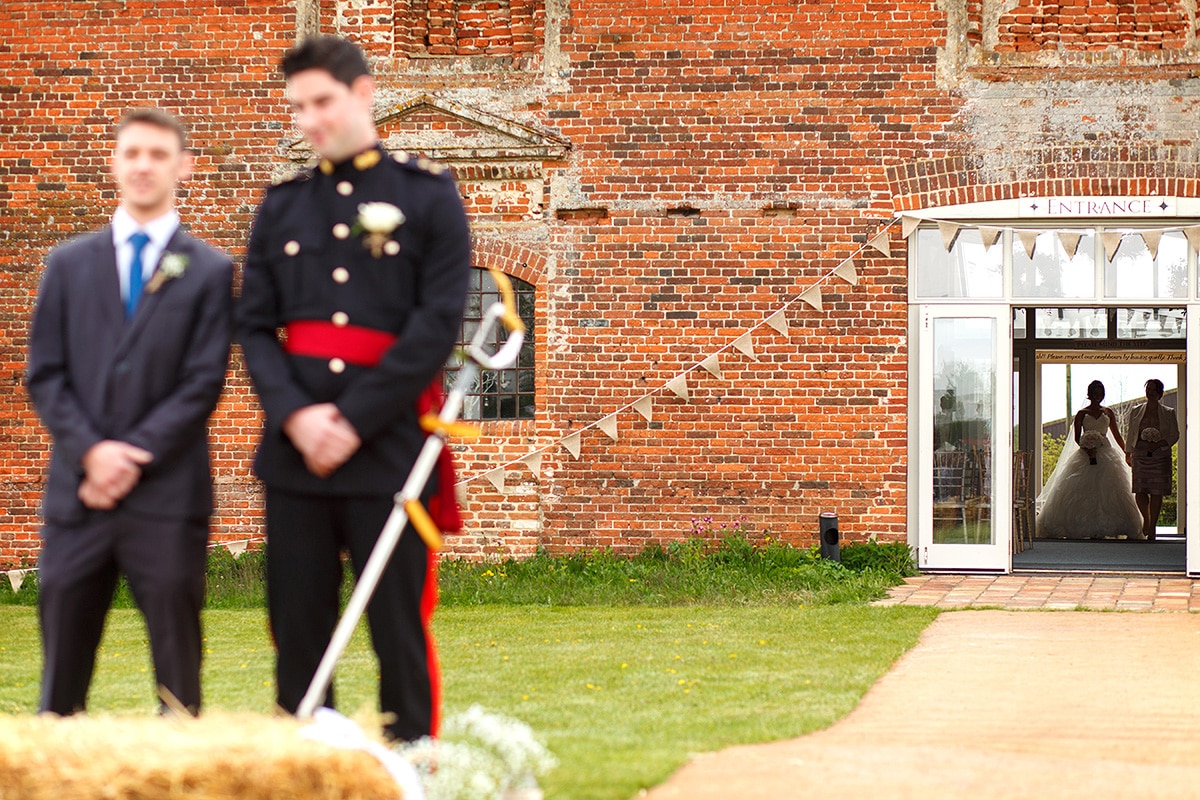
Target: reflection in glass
x=1133, y=273
x=1019, y=329
x=964, y=417
x=1053, y=271
x=1071, y=323
x=968, y=270
x=1151, y=323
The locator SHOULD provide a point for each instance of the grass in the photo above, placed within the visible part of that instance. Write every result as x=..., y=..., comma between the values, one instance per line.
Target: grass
x=626, y=666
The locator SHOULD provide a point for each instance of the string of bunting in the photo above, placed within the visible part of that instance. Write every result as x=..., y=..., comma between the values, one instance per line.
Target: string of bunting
x=16, y=577
x=813, y=298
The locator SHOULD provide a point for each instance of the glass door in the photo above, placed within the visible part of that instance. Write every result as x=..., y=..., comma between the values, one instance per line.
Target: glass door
x=964, y=428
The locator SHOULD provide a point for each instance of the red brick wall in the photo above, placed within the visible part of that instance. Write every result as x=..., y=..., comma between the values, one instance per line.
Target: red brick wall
x=722, y=159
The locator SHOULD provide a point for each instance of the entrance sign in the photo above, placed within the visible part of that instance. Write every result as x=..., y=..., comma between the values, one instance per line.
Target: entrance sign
x=1116, y=206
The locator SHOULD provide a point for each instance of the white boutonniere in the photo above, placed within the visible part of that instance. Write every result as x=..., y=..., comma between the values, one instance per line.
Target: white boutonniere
x=172, y=266
x=377, y=221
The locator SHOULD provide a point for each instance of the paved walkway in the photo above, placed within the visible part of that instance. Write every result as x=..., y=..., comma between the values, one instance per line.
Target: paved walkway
x=995, y=704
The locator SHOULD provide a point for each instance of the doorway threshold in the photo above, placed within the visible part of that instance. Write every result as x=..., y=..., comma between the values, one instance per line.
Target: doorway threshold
x=1164, y=556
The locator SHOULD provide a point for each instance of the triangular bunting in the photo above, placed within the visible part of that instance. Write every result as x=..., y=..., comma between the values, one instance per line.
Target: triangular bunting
x=880, y=242
x=679, y=386
x=989, y=236
x=1070, y=242
x=16, y=577
x=713, y=365
x=1112, y=241
x=847, y=272
x=908, y=225
x=1192, y=232
x=1029, y=240
x=745, y=345
x=572, y=443
x=236, y=548
x=534, y=462
x=778, y=321
x=496, y=478
x=1152, y=238
x=645, y=407
x=609, y=426
x=812, y=296
x=949, y=231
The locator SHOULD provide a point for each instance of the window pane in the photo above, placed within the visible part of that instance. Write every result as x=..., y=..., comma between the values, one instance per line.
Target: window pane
x=1072, y=323
x=1052, y=271
x=1151, y=323
x=1133, y=273
x=968, y=270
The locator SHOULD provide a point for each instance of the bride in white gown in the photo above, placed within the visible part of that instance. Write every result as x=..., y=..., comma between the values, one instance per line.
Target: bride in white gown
x=1089, y=494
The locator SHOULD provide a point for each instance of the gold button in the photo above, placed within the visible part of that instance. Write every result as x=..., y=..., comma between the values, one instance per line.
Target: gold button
x=341, y=319
x=345, y=188
x=392, y=247
x=341, y=274
x=341, y=230
x=292, y=247
x=336, y=365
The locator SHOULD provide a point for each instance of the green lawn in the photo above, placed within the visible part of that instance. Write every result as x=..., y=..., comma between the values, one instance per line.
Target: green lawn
x=622, y=695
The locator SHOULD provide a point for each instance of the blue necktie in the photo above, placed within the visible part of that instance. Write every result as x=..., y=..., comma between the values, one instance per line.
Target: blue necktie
x=139, y=241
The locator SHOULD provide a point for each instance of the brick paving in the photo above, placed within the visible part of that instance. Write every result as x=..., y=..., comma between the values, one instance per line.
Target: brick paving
x=1051, y=592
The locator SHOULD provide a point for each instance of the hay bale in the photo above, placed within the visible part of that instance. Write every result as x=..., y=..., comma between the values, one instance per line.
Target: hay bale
x=215, y=757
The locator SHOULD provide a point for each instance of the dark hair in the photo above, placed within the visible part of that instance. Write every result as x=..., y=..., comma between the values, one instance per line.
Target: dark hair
x=156, y=117
x=1096, y=386
x=341, y=58
x=1157, y=384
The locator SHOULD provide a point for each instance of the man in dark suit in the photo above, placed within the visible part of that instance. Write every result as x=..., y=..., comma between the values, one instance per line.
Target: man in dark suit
x=127, y=357
x=364, y=261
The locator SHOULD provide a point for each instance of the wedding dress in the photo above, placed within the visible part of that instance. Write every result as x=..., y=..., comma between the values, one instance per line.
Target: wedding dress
x=1082, y=500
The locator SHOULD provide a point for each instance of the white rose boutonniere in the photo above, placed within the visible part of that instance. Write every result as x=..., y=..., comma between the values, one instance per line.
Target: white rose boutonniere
x=172, y=266
x=378, y=220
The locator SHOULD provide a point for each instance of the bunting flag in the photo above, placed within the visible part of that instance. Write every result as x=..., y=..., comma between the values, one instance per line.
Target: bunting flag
x=778, y=321
x=534, y=462
x=908, y=225
x=949, y=231
x=572, y=443
x=16, y=577
x=1070, y=242
x=1112, y=241
x=713, y=365
x=496, y=478
x=679, y=386
x=745, y=345
x=1152, y=238
x=236, y=548
x=812, y=296
x=1028, y=240
x=1192, y=232
x=881, y=243
x=609, y=426
x=847, y=272
x=645, y=406
x=989, y=236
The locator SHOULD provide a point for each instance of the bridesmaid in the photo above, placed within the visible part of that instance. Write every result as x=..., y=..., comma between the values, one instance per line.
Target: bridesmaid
x=1153, y=431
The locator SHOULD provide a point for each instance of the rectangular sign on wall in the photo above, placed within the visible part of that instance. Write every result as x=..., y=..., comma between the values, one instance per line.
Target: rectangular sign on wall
x=1116, y=206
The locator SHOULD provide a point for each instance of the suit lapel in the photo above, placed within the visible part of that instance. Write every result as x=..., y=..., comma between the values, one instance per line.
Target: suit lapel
x=107, y=281
x=180, y=243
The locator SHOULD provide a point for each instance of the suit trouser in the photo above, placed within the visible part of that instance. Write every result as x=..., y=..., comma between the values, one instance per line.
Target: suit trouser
x=164, y=562
x=306, y=535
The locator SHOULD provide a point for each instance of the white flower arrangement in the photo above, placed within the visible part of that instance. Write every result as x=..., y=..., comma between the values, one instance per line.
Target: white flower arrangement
x=481, y=756
x=1151, y=435
x=172, y=266
x=1093, y=440
x=378, y=220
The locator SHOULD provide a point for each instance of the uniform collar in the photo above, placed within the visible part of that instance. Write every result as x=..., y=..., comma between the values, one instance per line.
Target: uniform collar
x=359, y=163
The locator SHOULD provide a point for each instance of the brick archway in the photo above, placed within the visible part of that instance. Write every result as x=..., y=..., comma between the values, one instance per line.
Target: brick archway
x=511, y=259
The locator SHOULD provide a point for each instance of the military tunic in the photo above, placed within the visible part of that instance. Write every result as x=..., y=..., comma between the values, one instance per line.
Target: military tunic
x=334, y=312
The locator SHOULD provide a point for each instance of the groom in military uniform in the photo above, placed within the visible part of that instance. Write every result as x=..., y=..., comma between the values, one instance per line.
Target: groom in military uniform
x=363, y=263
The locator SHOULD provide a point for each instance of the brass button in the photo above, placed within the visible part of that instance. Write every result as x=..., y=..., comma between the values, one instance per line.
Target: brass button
x=337, y=366
x=345, y=188
x=341, y=274
x=392, y=247
x=341, y=230
x=292, y=247
x=341, y=319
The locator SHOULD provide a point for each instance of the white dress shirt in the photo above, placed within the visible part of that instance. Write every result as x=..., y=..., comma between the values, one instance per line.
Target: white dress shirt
x=160, y=230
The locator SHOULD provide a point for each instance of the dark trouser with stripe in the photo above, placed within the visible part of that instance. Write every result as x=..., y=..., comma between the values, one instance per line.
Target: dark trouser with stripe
x=306, y=535
x=164, y=562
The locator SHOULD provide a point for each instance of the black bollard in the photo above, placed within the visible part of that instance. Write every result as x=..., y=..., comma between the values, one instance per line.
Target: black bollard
x=831, y=546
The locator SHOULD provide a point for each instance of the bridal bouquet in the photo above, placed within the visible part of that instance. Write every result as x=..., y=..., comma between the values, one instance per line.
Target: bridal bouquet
x=1091, y=441
x=1151, y=435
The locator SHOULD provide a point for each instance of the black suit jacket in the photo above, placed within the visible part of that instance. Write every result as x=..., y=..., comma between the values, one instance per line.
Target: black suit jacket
x=151, y=381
